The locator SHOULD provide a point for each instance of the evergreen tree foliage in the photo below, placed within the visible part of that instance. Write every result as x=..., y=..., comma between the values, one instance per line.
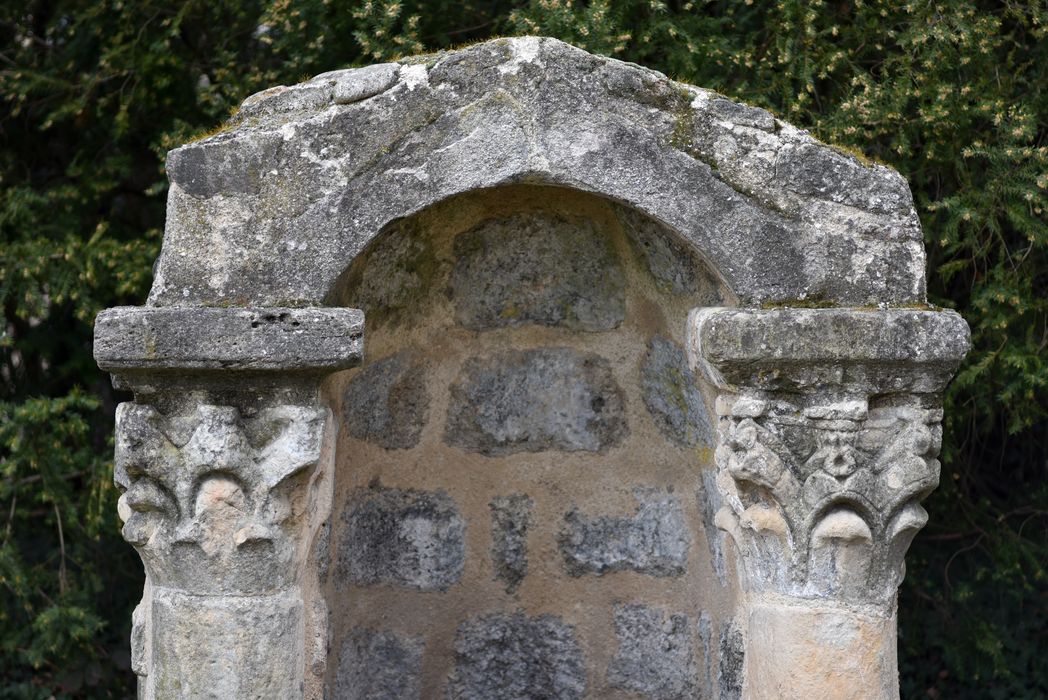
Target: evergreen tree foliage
x=952, y=93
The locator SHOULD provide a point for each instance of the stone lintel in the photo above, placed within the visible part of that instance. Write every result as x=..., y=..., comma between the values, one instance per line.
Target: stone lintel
x=176, y=340
x=874, y=351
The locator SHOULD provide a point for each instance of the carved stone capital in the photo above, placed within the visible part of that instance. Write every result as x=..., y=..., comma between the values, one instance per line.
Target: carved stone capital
x=218, y=459
x=210, y=496
x=829, y=429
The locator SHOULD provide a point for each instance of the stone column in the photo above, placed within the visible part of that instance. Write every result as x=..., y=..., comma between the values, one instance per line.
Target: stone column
x=221, y=460
x=829, y=428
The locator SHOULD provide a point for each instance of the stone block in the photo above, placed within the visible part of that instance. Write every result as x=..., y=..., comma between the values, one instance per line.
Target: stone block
x=139, y=339
x=220, y=647
x=378, y=665
x=389, y=280
x=387, y=402
x=654, y=541
x=856, y=350
x=537, y=269
x=516, y=656
x=855, y=652
x=730, y=667
x=672, y=395
x=408, y=538
x=672, y=263
x=710, y=501
x=510, y=521
x=536, y=400
x=656, y=656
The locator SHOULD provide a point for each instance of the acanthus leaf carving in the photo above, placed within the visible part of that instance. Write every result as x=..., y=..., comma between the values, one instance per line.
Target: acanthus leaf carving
x=822, y=492
x=203, y=499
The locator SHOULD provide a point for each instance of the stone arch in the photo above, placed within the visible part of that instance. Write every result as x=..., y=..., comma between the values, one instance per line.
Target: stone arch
x=304, y=177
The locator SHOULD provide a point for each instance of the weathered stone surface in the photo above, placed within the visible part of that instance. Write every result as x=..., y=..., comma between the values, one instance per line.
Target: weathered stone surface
x=710, y=502
x=706, y=639
x=404, y=538
x=537, y=269
x=779, y=215
x=654, y=541
x=828, y=419
x=337, y=87
x=535, y=400
x=225, y=646
x=205, y=499
x=730, y=667
x=822, y=498
x=389, y=280
x=515, y=656
x=322, y=552
x=656, y=656
x=377, y=665
x=131, y=338
x=510, y=522
x=672, y=263
x=856, y=654
x=862, y=351
x=827, y=442
x=672, y=395
x=387, y=402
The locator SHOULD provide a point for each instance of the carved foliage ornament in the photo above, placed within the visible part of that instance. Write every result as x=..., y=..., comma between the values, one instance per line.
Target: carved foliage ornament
x=823, y=497
x=208, y=496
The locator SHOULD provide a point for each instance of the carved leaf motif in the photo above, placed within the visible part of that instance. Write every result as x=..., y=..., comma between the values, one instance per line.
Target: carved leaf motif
x=845, y=529
x=202, y=488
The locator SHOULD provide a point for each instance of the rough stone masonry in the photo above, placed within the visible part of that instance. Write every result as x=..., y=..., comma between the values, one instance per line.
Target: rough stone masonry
x=518, y=372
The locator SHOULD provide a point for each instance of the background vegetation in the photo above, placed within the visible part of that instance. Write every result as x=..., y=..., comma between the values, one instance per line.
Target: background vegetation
x=93, y=92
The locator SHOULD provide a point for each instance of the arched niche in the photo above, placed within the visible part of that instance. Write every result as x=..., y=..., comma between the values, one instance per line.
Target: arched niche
x=525, y=454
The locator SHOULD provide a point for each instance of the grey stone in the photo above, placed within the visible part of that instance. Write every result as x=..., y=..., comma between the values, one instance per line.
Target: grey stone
x=132, y=338
x=654, y=541
x=140, y=621
x=672, y=395
x=224, y=170
x=293, y=190
x=706, y=639
x=656, y=655
x=672, y=262
x=710, y=501
x=414, y=539
x=732, y=658
x=387, y=402
x=535, y=400
x=389, y=281
x=515, y=656
x=219, y=647
x=355, y=84
x=536, y=268
x=743, y=115
x=863, y=351
x=335, y=87
x=510, y=522
x=835, y=479
x=378, y=665
x=205, y=493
